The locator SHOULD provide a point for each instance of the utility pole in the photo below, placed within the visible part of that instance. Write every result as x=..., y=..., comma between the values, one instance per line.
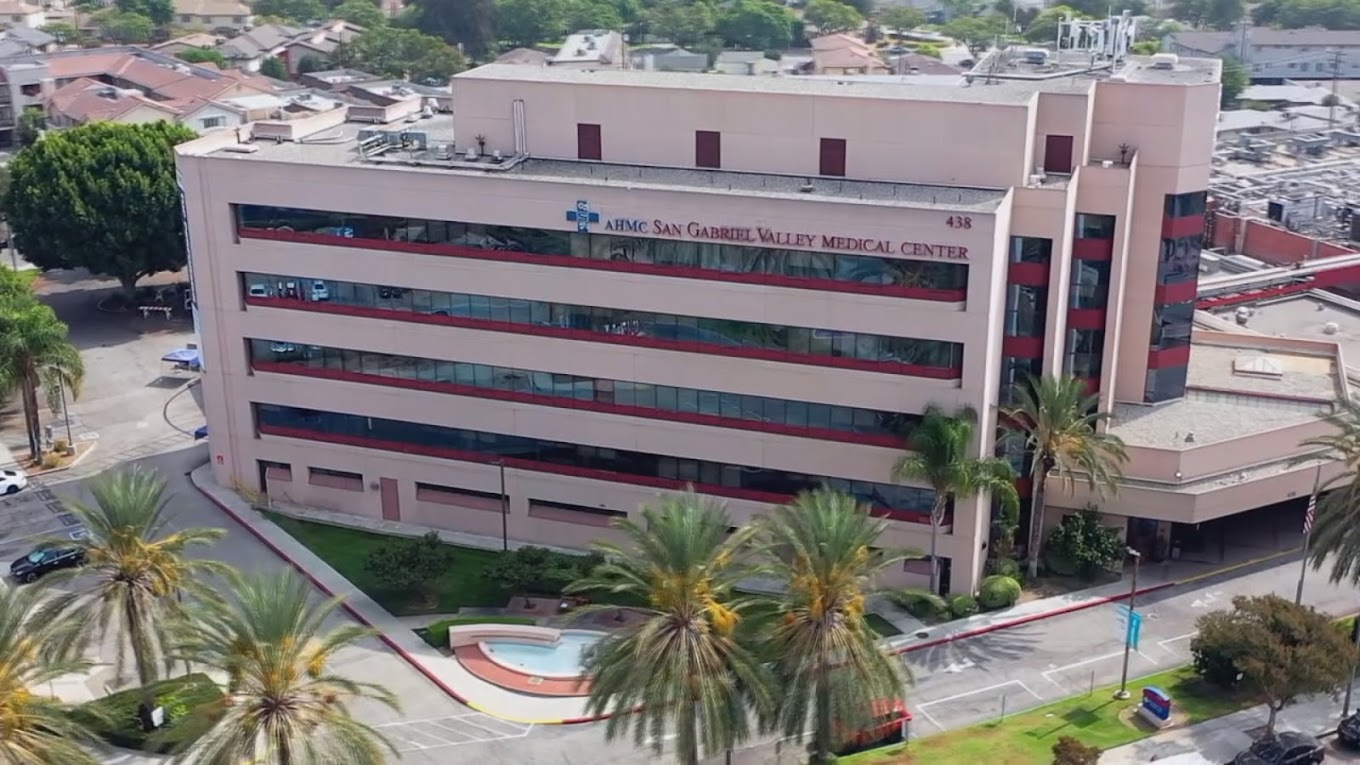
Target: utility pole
x=1336, y=75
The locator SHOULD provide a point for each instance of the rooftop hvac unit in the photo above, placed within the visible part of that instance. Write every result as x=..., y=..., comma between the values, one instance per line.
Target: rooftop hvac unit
x=1275, y=211
x=1165, y=60
x=414, y=140
x=1036, y=57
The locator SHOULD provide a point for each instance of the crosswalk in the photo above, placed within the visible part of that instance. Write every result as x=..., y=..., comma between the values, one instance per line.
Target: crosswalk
x=441, y=732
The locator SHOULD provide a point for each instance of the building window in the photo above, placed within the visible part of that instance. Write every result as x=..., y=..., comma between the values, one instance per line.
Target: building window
x=334, y=479
x=1094, y=226
x=625, y=326
x=762, y=484
x=588, y=142
x=1025, y=308
x=1058, y=154
x=734, y=262
x=1172, y=325
x=1016, y=372
x=572, y=391
x=1090, y=283
x=207, y=123
x=1186, y=205
x=1085, y=349
x=1030, y=249
x=708, y=148
x=832, y=157
x=1179, y=259
x=1164, y=384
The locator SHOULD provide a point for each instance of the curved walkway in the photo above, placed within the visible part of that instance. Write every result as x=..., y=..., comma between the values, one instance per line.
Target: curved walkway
x=478, y=664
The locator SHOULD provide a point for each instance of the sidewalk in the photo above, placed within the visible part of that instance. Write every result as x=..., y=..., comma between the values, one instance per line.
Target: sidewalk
x=444, y=671
x=1220, y=739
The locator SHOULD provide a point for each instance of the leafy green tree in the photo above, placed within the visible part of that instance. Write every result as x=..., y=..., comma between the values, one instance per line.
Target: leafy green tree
x=125, y=28
x=681, y=23
x=901, y=18
x=35, y=352
x=136, y=566
x=1146, y=47
x=933, y=51
x=1070, y=751
x=413, y=565
x=101, y=196
x=538, y=570
x=309, y=64
x=755, y=24
x=976, y=33
x=361, y=12
x=470, y=23
x=39, y=729
x=1044, y=27
x=286, y=704
x=405, y=53
x=1081, y=544
x=1281, y=650
x=1060, y=426
x=525, y=23
x=1296, y=14
x=64, y=32
x=593, y=14
x=1209, y=14
x=1232, y=82
x=161, y=12
x=865, y=7
x=273, y=66
x=684, y=667
x=938, y=455
x=1100, y=8
x=831, y=16
x=824, y=550
x=203, y=55
x=32, y=123
x=292, y=10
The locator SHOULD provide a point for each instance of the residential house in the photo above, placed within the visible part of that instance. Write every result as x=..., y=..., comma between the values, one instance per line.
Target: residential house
x=388, y=93
x=239, y=110
x=335, y=79
x=1289, y=94
x=22, y=41
x=17, y=13
x=215, y=15
x=250, y=48
x=201, y=40
x=594, y=49
x=318, y=44
x=915, y=63
x=523, y=57
x=745, y=62
x=667, y=58
x=844, y=54
x=88, y=100
x=1272, y=56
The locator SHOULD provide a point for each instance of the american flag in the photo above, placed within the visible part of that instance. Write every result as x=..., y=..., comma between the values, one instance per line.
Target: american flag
x=1308, y=515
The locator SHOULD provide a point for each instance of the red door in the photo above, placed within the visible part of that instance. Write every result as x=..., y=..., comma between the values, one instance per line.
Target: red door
x=391, y=501
x=588, y=142
x=1058, y=154
x=832, y=159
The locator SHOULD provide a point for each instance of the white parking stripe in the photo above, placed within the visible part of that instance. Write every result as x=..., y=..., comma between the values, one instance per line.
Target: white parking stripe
x=442, y=732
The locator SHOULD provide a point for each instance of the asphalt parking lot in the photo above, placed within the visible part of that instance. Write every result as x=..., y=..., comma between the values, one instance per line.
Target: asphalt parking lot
x=33, y=515
x=445, y=732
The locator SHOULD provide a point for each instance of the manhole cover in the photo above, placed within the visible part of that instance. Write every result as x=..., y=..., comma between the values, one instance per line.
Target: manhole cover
x=68, y=520
x=922, y=634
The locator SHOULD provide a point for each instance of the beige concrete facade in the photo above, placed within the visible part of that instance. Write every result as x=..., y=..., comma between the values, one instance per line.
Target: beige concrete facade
x=931, y=173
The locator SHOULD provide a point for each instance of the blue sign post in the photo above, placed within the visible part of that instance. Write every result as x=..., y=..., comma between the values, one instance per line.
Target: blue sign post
x=1128, y=625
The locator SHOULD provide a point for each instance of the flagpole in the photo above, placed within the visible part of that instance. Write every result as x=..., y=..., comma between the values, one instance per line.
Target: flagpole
x=1308, y=533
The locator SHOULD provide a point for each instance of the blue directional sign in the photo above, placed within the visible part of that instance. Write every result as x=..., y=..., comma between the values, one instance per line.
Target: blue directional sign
x=1128, y=625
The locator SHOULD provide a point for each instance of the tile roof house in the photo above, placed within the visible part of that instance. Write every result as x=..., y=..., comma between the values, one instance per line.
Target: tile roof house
x=838, y=41
x=17, y=13
x=745, y=62
x=22, y=41
x=186, y=42
x=915, y=63
x=225, y=15
x=667, y=58
x=1274, y=55
x=318, y=43
x=335, y=79
x=88, y=100
x=523, y=57
x=250, y=48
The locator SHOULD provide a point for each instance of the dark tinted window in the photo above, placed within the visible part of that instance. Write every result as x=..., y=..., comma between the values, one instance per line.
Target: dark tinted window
x=1179, y=259
x=1090, y=283
x=1094, y=226
x=1025, y=309
x=1164, y=384
x=1085, y=349
x=1030, y=249
x=1185, y=205
x=1172, y=324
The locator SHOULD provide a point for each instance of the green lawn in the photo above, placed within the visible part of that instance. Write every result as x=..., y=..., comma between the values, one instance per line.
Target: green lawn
x=346, y=550
x=1027, y=738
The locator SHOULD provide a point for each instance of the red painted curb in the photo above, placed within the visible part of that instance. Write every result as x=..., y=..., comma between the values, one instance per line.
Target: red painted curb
x=1031, y=618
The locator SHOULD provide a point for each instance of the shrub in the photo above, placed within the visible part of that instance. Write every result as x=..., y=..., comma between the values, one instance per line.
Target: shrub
x=1070, y=751
x=114, y=717
x=51, y=460
x=1008, y=567
x=412, y=564
x=539, y=571
x=59, y=446
x=998, y=592
x=963, y=605
x=437, y=634
x=1082, y=545
x=920, y=603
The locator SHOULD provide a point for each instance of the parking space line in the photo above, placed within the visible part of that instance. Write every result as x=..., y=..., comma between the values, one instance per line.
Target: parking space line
x=929, y=719
x=1082, y=663
x=491, y=731
x=974, y=692
x=423, y=734
x=456, y=732
x=1155, y=663
x=1177, y=639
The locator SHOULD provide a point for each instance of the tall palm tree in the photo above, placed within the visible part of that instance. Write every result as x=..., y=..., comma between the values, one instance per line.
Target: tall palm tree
x=285, y=705
x=35, y=352
x=1060, y=425
x=137, y=568
x=938, y=455
x=823, y=549
x=684, y=666
x=37, y=729
x=1336, y=527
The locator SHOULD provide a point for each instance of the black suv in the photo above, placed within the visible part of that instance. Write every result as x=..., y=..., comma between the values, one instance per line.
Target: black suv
x=1284, y=748
x=45, y=560
x=1348, y=732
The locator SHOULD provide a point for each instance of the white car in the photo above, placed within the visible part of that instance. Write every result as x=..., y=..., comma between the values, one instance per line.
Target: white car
x=320, y=291
x=12, y=481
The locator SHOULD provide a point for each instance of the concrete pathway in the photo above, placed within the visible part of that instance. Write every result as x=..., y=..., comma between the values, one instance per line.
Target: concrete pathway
x=445, y=672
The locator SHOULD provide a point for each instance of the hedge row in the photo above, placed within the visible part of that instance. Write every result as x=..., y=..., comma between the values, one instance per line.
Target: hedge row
x=114, y=717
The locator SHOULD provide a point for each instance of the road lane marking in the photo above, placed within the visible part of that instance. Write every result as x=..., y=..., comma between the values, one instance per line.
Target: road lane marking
x=929, y=719
x=1176, y=639
x=415, y=735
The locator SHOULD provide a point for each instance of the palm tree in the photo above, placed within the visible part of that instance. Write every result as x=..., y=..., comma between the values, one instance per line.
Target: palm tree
x=36, y=729
x=1336, y=527
x=284, y=704
x=138, y=570
x=1060, y=425
x=684, y=665
x=939, y=457
x=823, y=549
x=35, y=352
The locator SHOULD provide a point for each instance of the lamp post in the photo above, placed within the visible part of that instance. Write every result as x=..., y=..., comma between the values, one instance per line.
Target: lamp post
x=1123, y=692
x=1346, y=704
x=505, y=509
x=61, y=386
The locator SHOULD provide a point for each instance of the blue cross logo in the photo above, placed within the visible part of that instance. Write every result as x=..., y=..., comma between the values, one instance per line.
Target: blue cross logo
x=583, y=216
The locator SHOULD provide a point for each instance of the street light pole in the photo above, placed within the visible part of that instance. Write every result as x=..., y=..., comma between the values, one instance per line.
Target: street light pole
x=1346, y=704
x=1123, y=692
x=61, y=386
x=505, y=510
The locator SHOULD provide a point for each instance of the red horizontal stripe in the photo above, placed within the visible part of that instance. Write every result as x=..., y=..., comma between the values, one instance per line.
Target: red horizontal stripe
x=888, y=367
x=1248, y=296
x=559, y=402
x=1170, y=357
x=1176, y=293
x=1023, y=347
x=1092, y=249
x=1086, y=318
x=566, y=261
x=568, y=470
x=1190, y=225
x=1029, y=274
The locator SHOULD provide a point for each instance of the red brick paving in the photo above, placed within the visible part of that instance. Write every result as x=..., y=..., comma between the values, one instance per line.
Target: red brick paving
x=480, y=666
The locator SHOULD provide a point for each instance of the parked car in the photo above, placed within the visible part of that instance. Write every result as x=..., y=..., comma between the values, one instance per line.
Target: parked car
x=12, y=481
x=320, y=292
x=45, y=560
x=1284, y=748
x=888, y=726
x=1348, y=732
